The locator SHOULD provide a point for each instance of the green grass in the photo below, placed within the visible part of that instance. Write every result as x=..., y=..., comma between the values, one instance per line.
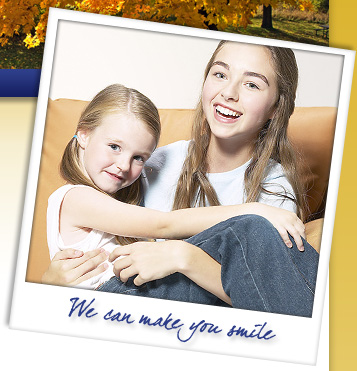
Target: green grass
x=298, y=31
x=16, y=55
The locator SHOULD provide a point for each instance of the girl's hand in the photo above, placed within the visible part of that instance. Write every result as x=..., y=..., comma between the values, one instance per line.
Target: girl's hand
x=148, y=260
x=155, y=260
x=70, y=267
x=284, y=221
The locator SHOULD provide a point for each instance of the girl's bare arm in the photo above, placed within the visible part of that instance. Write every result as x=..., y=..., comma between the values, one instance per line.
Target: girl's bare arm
x=88, y=208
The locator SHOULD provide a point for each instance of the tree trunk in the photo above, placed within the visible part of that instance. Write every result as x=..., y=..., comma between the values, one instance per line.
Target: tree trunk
x=267, y=17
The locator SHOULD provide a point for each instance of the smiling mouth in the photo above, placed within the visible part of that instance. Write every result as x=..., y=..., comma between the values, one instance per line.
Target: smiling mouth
x=227, y=113
x=115, y=176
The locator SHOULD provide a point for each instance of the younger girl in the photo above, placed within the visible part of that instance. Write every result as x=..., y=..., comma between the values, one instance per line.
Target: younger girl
x=115, y=136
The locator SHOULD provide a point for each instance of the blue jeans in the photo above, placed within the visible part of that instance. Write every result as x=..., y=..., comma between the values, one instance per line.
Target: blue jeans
x=259, y=272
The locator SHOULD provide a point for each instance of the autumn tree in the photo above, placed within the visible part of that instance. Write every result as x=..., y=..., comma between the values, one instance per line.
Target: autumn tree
x=29, y=17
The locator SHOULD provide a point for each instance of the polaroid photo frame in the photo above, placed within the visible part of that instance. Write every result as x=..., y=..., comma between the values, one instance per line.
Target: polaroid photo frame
x=83, y=54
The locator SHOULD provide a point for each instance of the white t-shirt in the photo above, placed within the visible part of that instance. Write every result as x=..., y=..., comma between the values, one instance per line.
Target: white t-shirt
x=95, y=239
x=163, y=170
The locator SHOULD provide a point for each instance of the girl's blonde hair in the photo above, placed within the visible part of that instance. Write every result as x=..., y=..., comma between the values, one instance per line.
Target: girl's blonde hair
x=272, y=142
x=113, y=99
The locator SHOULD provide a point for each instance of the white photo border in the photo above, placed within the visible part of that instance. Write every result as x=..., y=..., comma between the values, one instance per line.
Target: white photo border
x=45, y=308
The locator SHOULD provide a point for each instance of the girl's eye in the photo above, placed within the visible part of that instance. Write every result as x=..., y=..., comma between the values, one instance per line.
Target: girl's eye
x=251, y=85
x=139, y=159
x=114, y=147
x=219, y=75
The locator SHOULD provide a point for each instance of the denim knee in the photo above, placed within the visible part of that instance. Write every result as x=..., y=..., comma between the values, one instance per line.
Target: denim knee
x=260, y=272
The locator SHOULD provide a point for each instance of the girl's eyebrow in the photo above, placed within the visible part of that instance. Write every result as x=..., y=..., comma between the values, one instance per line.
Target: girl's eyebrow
x=220, y=63
x=113, y=139
x=255, y=74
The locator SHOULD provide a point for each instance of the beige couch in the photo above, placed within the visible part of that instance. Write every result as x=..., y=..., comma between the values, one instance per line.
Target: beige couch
x=310, y=129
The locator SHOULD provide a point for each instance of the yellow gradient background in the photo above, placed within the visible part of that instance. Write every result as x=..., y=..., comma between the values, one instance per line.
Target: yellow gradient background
x=343, y=276
x=16, y=119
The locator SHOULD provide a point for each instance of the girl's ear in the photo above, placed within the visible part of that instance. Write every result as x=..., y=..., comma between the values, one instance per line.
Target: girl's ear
x=82, y=138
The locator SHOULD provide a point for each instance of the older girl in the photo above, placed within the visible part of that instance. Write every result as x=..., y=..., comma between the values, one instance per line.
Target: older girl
x=239, y=153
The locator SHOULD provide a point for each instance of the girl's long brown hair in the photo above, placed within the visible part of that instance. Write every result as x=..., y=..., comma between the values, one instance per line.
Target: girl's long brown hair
x=112, y=99
x=194, y=188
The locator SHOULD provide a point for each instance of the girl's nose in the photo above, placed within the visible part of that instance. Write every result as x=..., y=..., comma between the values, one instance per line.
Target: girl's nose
x=123, y=165
x=230, y=92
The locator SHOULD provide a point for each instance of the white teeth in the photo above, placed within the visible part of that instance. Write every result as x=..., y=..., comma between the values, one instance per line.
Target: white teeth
x=227, y=112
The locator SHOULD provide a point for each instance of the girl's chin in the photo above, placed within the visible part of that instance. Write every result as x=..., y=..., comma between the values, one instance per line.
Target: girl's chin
x=109, y=189
x=223, y=133
x=112, y=192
